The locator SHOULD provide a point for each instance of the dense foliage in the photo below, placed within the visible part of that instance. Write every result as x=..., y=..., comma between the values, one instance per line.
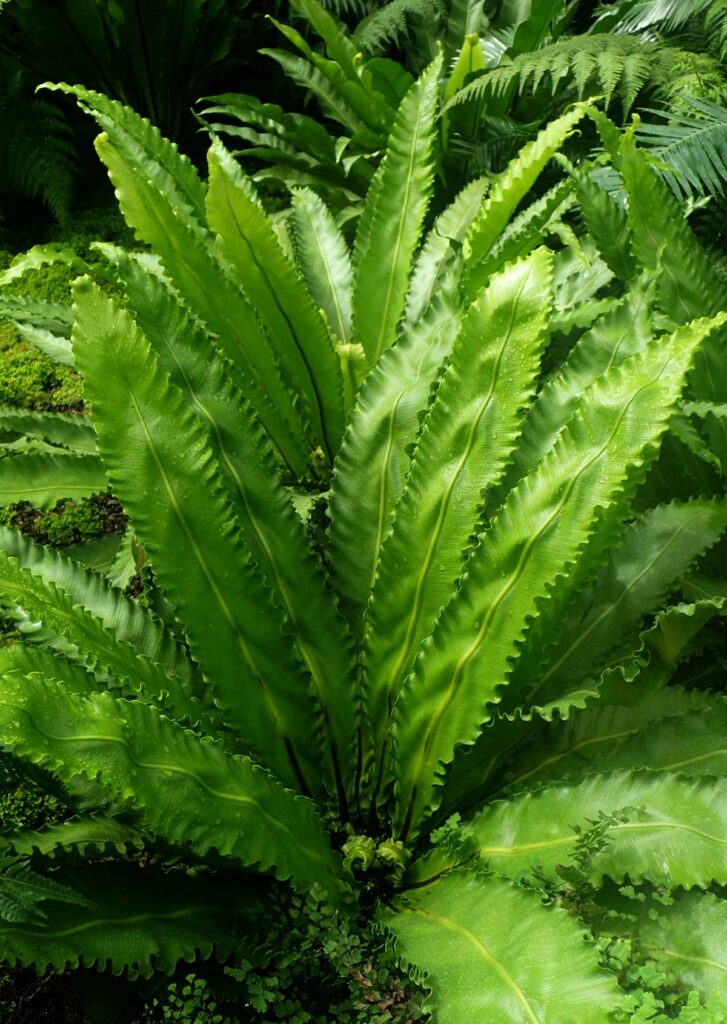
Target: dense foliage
x=421, y=566
x=362, y=525
x=509, y=69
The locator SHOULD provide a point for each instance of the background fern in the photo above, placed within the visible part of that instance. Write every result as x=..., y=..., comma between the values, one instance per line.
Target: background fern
x=389, y=25
x=38, y=158
x=691, y=146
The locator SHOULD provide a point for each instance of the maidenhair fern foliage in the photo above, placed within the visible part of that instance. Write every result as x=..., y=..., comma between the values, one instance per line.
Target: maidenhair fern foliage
x=434, y=524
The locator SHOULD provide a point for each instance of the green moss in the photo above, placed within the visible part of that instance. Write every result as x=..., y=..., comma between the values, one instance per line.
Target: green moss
x=67, y=522
x=28, y=378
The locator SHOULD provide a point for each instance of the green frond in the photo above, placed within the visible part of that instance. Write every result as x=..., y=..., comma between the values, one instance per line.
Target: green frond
x=325, y=80
x=339, y=46
x=89, y=593
x=46, y=325
x=685, y=937
x=147, y=151
x=666, y=829
x=620, y=333
x=39, y=158
x=692, y=745
x=692, y=143
x=496, y=354
x=528, y=229
x=162, y=199
x=40, y=256
x=604, y=64
x=400, y=204
x=466, y=17
x=524, y=557
x=507, y=193
x=670, y=640
x=441, y=248
x=87, y=838
x=662, y=242
x=607, y=223
x=22, y=891
x=336, y=83
x=37, y=583
x=712, y=420
x=186, y=790
x=133, y=922
x=372, y=463
x=272, y=530
x=650, y=15
x=532, y=24
x=641, y=570
x=161, y=464
x=575, y=746
x=474, y=937
x=246, y=237
x=75, y=433
x=324, y=260
x=391, y=23
x=45, y=479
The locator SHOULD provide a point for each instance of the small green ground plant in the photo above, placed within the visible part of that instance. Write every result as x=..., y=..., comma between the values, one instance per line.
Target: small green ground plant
x=433, y=584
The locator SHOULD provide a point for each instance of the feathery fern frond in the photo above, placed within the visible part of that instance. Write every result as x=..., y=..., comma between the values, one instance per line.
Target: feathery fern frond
x=600, y=64
x=38, y=156
x=22, y=890
x=692, y=144
x=389, y=24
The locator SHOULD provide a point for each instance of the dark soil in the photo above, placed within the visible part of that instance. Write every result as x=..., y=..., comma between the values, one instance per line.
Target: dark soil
x=27, y=999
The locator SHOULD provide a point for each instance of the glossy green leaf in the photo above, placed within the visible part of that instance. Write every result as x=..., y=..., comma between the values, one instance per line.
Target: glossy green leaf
x=88, y=593
x=568, y=748
x=324, y=260
x=156, y=213
x=73, y=432
x=271, y=528
x=465, y=445
x=545, y=523
x=441, y=247
x=301, y=342
x=510, y=189
x=87, y=837
x=69, y=601
x=688, y=285
x=686, y=938
x=45, y=479
x=641, y=570
x=143, y=146
x=618, y=334
x=400, y=204
x=607, y=222
x=693, y=744
x=136, y=922
x=672, y=832
x=161, y=464
x=494, y=953
x=187, y=790
x=372, y=463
